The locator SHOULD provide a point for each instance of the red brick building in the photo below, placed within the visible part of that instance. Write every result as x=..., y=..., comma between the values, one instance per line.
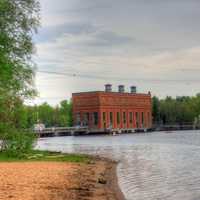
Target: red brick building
x=101, y=110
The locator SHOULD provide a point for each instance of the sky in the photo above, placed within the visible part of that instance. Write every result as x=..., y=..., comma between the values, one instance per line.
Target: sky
x=152, y=44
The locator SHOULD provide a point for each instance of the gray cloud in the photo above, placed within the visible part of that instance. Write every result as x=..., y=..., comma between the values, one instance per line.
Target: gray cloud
x=96, y=36
x=108, y=39
x=53, y=32
x=142, y=39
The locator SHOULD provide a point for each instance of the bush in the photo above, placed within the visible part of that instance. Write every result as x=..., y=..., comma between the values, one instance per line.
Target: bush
x=15, y=143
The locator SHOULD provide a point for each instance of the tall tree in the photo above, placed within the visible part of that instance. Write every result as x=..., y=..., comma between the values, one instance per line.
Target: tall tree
x=19, y=19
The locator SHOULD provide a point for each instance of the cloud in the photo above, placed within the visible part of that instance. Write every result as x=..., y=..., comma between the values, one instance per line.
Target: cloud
x=109, y=39
x=83, y=37
x=149, y=72
x=133, y=42
x=49, y=33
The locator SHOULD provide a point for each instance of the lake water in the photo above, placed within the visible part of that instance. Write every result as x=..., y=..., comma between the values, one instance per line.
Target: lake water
x=153, y=166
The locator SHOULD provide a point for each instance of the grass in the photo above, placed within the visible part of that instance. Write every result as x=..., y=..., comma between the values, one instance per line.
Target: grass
x=37, y=155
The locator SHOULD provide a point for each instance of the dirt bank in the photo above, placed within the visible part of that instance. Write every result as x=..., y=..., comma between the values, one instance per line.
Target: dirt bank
x=59, y=181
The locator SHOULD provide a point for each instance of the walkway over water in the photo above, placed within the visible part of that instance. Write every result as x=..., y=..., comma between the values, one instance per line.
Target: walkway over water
x=73, y=131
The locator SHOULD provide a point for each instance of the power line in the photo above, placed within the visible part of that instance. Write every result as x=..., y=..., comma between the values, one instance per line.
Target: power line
x=57, y=73
x=76, y=75
x=69, y=74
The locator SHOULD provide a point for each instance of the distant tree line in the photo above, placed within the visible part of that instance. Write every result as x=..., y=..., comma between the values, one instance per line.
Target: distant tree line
x=58, y=116
x=25, y=116
x=179, y=110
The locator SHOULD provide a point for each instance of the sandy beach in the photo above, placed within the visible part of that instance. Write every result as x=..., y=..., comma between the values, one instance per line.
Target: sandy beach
x=59, y=181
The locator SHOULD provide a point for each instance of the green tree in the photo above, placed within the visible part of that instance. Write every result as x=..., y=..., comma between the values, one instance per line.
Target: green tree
x=60, y=115
x=65, y=113
x=19, y=20
x=32, y=115
x=156, y=110
x=179, y=110
x=45, y=114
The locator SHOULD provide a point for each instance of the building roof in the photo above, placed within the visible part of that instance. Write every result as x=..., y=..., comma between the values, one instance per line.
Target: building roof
x=113, y=92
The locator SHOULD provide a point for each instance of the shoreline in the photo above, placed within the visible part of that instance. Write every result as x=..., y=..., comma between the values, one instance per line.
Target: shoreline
x=113, y=181
x=46, y=180
x=112, y=187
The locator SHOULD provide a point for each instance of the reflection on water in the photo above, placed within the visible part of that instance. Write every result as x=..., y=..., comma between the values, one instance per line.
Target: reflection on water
x=153, y=166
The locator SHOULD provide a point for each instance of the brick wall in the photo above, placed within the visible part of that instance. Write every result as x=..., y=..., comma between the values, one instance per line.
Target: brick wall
x=116, y=110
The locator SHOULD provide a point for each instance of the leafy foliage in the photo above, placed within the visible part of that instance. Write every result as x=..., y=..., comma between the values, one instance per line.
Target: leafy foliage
x=15, y=142
x=60, y=115
x=19, y=20
x=179, y=110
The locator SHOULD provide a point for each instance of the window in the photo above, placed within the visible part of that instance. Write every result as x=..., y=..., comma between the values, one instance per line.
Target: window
x=104, y=116
x=86, y=119
x=95, y=115
x=104, y=119
x=124, y=117
x=118, y=117
x=111, y=118
x=137, y=119
x=78, y=119
x=130, y=117
x=149, y=120
x=142, y=118
x=88, y=116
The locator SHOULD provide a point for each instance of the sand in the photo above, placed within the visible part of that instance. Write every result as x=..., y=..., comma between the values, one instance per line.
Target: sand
x=59, y=181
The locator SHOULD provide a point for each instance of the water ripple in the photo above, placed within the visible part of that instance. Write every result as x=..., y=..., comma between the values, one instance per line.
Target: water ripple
x=155, y=166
